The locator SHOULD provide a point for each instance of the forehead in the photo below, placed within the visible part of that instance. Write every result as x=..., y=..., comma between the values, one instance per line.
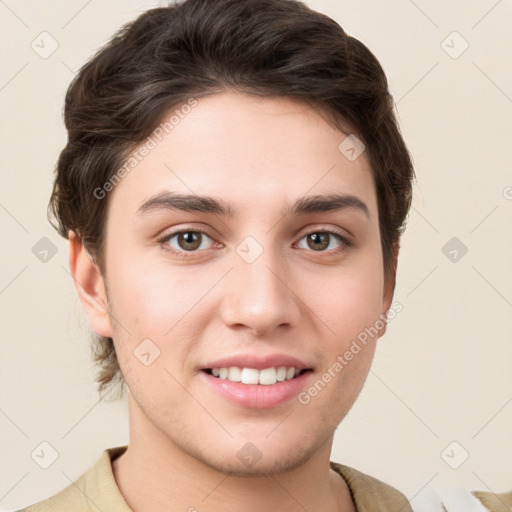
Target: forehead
x=247, y=150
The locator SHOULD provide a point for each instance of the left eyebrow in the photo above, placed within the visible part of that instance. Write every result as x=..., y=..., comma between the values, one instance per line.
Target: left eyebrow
x=327, y=203
x=206, y=204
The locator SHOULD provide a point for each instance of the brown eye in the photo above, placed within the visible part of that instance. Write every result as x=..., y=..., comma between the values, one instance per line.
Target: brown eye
x=325, y=241
x=318, y=241
x=189, y=240
x=181, y=242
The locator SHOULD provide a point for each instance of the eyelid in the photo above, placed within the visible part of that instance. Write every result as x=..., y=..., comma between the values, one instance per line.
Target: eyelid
x=322, y=228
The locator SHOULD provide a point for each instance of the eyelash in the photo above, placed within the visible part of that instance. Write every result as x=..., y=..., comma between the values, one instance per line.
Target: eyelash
x=346, y=243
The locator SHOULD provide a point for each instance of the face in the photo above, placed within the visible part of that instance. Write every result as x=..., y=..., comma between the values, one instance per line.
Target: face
x=257, y=278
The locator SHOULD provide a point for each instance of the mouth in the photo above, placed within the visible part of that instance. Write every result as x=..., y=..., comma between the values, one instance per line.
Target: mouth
x=257, y=381
x=254, y=388
x=253, y=376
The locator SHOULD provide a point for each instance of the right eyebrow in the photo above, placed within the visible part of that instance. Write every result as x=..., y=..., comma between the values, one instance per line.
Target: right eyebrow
x=187, y=203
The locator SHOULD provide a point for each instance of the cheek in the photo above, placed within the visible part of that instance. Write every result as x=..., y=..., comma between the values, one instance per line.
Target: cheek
x=151, y=295
x=348, y=300
x=165, y=305
x=350, y=320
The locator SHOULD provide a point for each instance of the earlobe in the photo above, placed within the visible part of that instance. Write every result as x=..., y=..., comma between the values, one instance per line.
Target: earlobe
x=90, y=286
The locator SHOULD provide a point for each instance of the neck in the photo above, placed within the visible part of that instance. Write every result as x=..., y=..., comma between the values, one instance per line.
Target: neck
x=156, y=475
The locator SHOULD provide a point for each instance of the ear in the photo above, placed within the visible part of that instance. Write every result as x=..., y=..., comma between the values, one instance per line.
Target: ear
x=90, y=286
x=389, y=284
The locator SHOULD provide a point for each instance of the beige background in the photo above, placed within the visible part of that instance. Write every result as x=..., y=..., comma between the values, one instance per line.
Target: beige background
x=443, y=371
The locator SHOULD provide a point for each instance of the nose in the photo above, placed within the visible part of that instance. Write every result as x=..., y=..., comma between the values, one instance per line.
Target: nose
x=259, y=295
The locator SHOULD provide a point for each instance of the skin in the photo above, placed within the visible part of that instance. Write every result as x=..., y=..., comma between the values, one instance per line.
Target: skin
x=260, y=155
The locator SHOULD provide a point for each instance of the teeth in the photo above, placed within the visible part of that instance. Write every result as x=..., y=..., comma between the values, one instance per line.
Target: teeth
x=268, y=376
x=281, y=373
x=249, y=376
x=234, y=374
x=265, y=377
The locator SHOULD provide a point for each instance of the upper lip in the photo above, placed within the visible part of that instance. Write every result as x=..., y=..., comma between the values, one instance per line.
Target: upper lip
x=258, y=362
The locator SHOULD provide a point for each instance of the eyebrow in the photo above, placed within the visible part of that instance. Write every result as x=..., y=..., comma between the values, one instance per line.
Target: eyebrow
x=206, y=204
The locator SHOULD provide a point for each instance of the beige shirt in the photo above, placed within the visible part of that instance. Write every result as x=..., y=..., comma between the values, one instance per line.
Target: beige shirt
x=96, y=489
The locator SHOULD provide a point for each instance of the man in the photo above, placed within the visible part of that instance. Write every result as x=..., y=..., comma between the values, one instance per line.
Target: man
x=234, y=189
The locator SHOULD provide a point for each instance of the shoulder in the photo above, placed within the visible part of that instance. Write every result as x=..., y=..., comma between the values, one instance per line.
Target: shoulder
x=371, y=494
x=72, y=496
x=495, y=502
x=96, y=488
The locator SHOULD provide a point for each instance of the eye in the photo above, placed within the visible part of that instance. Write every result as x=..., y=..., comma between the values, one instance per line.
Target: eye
x=192, y=241
x=319, y=241
x=186, y=241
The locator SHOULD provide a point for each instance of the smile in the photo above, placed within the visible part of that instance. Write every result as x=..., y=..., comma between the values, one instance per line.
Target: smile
x=265, y=377
x=257, y=389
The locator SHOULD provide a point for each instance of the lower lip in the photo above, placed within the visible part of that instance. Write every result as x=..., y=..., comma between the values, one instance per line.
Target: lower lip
x=257, y=396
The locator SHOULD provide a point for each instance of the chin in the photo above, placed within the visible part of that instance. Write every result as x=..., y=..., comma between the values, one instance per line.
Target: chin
x=258, y=455
x=250, y=462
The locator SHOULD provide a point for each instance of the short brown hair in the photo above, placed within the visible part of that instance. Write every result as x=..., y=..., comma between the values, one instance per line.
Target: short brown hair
x=268, y=48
